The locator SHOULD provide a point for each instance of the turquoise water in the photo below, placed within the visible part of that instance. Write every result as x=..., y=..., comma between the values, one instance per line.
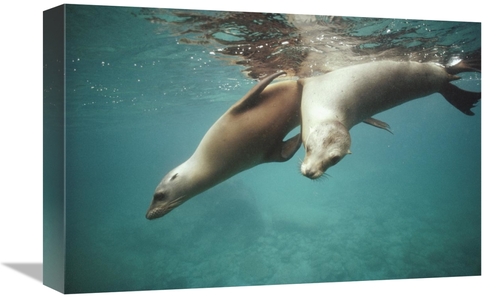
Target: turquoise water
x=141, y=93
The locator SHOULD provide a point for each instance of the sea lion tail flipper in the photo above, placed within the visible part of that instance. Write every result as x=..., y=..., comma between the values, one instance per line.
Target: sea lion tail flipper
x=461, y=99
x=286, y=150
x=377, y=123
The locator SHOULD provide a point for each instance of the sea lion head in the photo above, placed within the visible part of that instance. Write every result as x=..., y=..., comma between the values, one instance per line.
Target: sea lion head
x=326, y=144
x=168, y=195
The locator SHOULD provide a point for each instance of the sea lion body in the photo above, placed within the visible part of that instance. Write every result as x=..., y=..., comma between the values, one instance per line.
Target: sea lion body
x=251, y=132
x=334, y=102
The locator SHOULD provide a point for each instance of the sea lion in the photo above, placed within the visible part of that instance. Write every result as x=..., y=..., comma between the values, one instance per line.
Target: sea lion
x=334, y=102
x=251, y=132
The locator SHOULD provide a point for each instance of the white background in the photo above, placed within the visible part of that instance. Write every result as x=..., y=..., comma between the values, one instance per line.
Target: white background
x=21, y=145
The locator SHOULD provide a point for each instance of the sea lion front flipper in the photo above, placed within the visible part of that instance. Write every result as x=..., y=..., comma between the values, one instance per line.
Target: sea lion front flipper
x=378, y=124
x=291, y=146
x=460, y=99
x=251, y=99
x=286, y=150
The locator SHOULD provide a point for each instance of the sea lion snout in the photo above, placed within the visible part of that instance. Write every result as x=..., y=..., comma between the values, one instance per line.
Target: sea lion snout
x=158, y=208
x=164, y=201
x=152, y=214
x=310, y=172
x=314, y=168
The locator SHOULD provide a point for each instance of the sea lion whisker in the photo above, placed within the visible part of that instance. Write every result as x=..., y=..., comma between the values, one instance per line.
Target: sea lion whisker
x=299, y=165
x=322, y=178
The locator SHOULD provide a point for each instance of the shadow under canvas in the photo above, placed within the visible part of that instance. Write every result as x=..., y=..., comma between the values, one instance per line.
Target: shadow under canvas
x=33, y=270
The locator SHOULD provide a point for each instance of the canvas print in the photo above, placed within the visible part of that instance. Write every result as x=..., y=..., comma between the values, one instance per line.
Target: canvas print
x=196, y=149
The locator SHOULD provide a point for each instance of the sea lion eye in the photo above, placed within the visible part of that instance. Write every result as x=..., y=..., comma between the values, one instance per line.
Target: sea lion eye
x=335, y=160
x=173, y=177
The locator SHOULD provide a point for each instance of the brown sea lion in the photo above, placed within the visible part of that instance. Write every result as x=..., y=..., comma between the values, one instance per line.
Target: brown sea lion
x=251, y=132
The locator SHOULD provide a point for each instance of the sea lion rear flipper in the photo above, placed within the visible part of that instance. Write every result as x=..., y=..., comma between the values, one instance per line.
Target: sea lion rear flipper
x=378, y=123
x=472, y=64
x=461, y=99
x=286, y=150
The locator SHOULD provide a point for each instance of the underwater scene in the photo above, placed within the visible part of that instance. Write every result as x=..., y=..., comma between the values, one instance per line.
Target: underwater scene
x=144, y=85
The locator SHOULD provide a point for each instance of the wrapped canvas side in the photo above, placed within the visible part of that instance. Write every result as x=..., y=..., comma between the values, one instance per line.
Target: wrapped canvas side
x=53, y=148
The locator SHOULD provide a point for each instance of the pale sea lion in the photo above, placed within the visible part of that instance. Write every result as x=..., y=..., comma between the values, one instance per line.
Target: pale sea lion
x=251, y=132
x=334, y=102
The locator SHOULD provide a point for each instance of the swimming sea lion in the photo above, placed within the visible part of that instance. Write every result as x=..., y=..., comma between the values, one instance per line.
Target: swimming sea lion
x=251, y=132
x=334, y=102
